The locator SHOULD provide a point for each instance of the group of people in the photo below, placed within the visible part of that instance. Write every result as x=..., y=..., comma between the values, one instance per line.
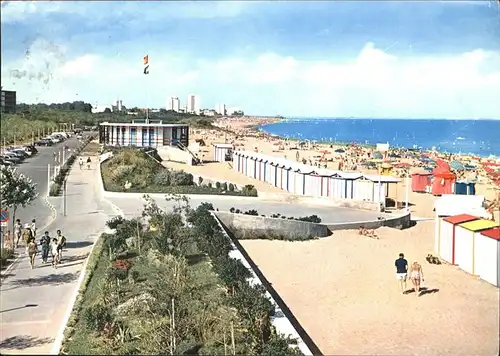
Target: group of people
x=80, y=163
x=403, y=270
x=49, y=246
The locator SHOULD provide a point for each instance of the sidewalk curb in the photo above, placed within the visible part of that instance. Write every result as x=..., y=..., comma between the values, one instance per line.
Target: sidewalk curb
x=56, y=346
x=51, y=220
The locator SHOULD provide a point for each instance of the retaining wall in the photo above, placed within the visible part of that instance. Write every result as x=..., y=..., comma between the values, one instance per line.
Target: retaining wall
x=250, y=225
x=284, y=321
x=397, y=222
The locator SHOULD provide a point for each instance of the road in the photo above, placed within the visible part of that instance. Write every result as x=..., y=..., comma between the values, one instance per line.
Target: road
x=134, y=206
x=36, y=168
x=34, y=302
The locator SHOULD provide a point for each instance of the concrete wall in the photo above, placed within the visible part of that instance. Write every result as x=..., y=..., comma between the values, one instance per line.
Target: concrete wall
x=398, y=222
x=170, y=153
x=249, y=225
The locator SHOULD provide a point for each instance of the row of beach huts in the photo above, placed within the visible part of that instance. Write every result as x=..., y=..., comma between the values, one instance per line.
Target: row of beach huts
x=470, y=242
x=301, y=179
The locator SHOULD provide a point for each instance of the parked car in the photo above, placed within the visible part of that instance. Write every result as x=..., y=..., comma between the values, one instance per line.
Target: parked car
x=32, y=149
x=21, y=152
x=5, y=162
x=21, y=155
x=11, y=158
x=44, y=142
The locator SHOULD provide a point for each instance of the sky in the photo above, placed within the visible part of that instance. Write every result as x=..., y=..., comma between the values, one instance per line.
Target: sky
x=427, y=59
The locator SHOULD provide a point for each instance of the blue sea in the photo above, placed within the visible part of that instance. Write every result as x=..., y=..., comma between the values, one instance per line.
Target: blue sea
x=479, y=137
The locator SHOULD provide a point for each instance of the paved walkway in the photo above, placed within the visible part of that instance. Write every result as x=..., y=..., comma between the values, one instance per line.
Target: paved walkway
x=33, y=303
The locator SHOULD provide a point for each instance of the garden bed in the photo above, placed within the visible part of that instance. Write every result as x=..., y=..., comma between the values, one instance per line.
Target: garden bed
x=162, y=287
x=135, y=171
x=7, y=257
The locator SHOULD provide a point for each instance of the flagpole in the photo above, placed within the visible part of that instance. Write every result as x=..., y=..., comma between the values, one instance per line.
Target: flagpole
x=146, y=72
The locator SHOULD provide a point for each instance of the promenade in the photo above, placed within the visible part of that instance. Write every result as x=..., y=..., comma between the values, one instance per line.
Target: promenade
x=34, y=302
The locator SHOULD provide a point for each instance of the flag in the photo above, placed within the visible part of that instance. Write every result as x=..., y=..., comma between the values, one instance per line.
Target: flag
x=146, y=64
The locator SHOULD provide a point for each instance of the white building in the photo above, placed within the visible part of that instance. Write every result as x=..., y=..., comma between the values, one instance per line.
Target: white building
x=173, y=103
x=208, y=112
x=220, y=109
x=101, y=108
x=193, y=104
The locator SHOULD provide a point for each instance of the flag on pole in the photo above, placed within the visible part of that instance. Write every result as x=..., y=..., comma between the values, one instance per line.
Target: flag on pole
x=146, y=64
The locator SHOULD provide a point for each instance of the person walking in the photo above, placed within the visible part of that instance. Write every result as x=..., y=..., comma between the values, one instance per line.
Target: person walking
x=18, y=232
x=32, y=249
x=401, y=265
x=33, y=228
x=45, y=244
x=55, y=252
x=27, y=236
x=61, y=244
x=80, y=162
x=88, y=162
x=417, y=276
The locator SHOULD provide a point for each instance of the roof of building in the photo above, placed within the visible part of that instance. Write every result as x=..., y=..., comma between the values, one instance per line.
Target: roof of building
x=137, y=124
x=478, y=225
x=223, y=145
x=493, y=233
x=459, y=219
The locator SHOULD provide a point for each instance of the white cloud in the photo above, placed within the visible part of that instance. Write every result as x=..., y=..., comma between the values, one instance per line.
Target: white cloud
x=374, y=84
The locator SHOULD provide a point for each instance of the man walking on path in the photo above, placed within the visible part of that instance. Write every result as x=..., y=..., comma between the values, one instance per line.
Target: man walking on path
x=401, y=272
x=32, y=250
x=61, y=244
x=45, y=244
x=18, y=231
x=33, y=228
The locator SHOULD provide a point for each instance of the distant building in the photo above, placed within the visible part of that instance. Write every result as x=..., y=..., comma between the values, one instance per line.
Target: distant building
x=208, y=112
x=193, y=104
x=139, y=134
x=101, y=108
x=220, y=109
x=8, y=101
x=173, y=103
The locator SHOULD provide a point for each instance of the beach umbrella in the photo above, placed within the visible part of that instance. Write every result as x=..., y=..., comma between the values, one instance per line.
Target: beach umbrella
x=276, y=144
x=402, y=165
x=339, y=150
x=456, y=165
x=394, y=155
x=378, y=155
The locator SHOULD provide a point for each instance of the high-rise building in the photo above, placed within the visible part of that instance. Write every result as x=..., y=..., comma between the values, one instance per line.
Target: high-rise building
x=173, y=103
x=193, y=104
x=8, y=101
x=220, y=109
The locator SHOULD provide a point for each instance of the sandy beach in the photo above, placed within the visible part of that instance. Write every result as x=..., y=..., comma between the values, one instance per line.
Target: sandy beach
x=352, y=306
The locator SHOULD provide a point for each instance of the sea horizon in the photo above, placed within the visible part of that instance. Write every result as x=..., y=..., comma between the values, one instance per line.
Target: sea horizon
x=465, y=136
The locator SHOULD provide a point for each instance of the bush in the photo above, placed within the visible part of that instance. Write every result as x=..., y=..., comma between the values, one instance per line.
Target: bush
x=181, y=178
x=113, y=223
x=224, y=186
x=217, y=185
x=200, y=180
x=249, y=190
x=162, y=178
x=209, y=184
x=5, y=256
x=55, y=188
x=231, y=187
x=96, y=316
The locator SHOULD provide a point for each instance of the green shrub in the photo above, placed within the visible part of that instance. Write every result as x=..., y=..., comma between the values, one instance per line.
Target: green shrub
x=217, y=185
x=224, y=186
x=249, y=190
x=113, y=223
x=162, y=178
x=55, y=188
x=181, y=178
x=209, y=184
x=96, y=316
x=231, y=187
x=200, y=180
x=5, y=256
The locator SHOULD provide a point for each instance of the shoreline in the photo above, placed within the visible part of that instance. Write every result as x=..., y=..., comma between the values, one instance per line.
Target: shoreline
x=259, y=128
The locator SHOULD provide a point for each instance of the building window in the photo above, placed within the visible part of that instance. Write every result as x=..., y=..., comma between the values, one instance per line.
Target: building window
x=133, y=136
x=152, y=137
x=144, y=137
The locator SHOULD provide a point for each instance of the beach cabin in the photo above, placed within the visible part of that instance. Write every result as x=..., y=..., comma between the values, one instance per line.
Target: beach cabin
x=285, y=178
x=444, y=241
x=421, y=181
x=487, y=258
x=350, y=180
x=252, y=166
x=443, y=182
x=281, y=175
x=273, y=168
x=236, y=161
x=465, y=237
x=337, y=187
x=465, y=188
x=223, y=152
x=301, y=180
x=325, y=185
x=259, y=169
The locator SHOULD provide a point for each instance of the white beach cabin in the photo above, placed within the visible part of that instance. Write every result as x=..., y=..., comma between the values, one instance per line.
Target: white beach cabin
x=444, y=241
x=465, y=237
x=487, y=257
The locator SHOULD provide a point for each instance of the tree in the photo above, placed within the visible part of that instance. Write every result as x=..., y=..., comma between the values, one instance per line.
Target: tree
x=16, y=190
x=107, y=111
